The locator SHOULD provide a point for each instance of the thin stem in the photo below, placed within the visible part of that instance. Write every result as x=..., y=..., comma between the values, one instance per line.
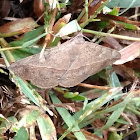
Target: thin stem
x=7, y=53
x=9, y=48
x=86, y=9
x=94, y=86
x=112, y=35
x=133, y=110
x=103, y=3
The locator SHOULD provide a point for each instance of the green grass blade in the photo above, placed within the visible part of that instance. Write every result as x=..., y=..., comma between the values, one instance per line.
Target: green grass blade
x=29, y=43
x=102, y=100
x=26, y=90
x=22, y=134
x=86, y=9
x=116, y=114
x=32, y=117
x=114, y=81
x=95, y=105
x=46, y=127
x=27, y=37
x=68, y=119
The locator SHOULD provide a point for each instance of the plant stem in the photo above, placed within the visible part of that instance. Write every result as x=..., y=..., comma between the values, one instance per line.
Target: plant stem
x=133, y=110
x=104, y=2
x=112, y=35
x=9, y=48
x=7, y=53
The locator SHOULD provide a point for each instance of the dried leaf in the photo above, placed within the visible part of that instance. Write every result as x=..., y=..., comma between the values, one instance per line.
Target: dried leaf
x=112, y=42
x=58, y=25
x=66, y=65
x=46, y=127
x=20, y=24
x=126, y=72
x=5, y=7
x=129, y=53
x=39, y=9
x=69, y=28
x=61, y=22
x=92, y=8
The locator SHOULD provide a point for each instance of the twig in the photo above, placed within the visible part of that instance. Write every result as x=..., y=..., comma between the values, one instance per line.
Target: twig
x=94, y=86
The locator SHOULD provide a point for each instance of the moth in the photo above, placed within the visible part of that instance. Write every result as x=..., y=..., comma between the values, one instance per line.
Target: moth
x=65, y=65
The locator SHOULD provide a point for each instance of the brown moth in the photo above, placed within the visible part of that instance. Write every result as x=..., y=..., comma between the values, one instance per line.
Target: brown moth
x=66, y=65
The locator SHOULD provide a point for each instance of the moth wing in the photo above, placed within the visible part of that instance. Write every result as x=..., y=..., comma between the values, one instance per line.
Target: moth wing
x=91, y=59
x=47, y=71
